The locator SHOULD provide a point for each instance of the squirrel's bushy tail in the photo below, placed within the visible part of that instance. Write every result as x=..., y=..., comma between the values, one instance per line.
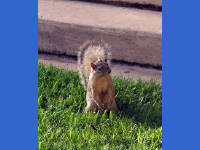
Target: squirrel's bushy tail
x=89, y=53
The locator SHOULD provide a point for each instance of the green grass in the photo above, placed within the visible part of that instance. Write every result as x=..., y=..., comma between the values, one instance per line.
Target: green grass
x=63, y=124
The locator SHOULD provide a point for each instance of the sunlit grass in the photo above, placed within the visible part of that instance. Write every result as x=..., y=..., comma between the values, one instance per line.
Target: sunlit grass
x=63, y=124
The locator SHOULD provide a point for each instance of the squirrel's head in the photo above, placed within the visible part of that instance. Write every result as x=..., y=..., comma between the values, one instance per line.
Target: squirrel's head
x=100, y=68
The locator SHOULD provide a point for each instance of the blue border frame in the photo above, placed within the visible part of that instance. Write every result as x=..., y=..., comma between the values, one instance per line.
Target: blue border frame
x=181, y=75
x=19, y=75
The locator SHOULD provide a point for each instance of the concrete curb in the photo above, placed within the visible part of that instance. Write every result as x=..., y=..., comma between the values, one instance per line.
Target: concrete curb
x=128, y=46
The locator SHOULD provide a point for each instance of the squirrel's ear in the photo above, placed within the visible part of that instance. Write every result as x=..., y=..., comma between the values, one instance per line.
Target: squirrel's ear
x=93, y=65
x=99, y=59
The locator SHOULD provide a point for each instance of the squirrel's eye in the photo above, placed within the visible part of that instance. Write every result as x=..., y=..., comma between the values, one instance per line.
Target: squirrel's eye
x=99, y=69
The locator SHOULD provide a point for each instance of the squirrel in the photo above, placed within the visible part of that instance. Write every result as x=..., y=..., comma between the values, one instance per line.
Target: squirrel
x=94, y=60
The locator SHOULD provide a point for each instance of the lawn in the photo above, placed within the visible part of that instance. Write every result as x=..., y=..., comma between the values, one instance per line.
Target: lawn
x=63, y=124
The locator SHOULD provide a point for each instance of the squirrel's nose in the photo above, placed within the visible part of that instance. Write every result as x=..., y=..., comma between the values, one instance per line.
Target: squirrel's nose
x=109, y=71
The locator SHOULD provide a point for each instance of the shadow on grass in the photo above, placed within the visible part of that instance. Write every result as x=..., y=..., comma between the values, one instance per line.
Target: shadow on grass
x=139, y=101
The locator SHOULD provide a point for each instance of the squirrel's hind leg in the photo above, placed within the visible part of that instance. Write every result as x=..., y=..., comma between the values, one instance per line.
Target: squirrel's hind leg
x=91, y=106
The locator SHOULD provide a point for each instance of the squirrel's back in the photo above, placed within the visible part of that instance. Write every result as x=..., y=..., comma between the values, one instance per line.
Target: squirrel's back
x=91, y=52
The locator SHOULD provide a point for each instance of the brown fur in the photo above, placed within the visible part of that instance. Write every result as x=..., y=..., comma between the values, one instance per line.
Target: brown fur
x=90, y=52
x=94, y=62
x=100, y=94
